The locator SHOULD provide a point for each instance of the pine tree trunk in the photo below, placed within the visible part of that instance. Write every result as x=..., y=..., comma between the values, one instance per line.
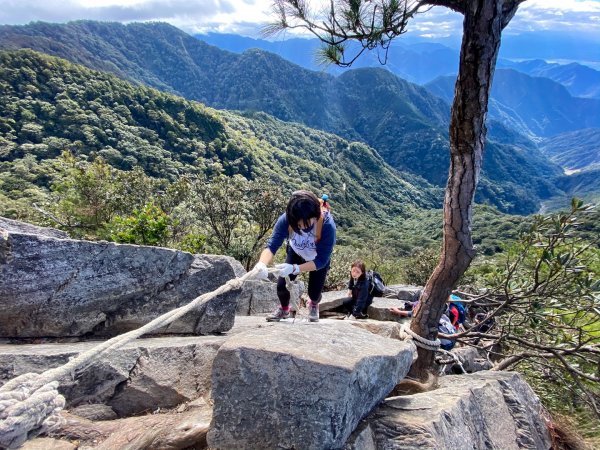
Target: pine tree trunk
x=482, y=28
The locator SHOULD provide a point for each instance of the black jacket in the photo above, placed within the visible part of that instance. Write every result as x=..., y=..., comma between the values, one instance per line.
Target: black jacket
x=360, y=292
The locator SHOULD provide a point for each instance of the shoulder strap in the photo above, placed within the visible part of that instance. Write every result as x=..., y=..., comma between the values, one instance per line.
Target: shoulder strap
x=319, y=229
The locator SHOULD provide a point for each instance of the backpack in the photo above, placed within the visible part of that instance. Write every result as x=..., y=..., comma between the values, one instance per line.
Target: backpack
x=376, y=284
x=446, y=327
x=460, y=307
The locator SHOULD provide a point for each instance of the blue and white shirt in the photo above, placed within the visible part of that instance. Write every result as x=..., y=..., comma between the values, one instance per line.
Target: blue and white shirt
x=304, y=243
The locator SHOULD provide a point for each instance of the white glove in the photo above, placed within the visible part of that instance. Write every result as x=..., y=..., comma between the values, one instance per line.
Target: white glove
x=262, y=272
x=287, y=269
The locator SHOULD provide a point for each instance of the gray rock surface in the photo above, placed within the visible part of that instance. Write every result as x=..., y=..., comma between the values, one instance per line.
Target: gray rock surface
x=15, y=226
x=331, y=300
x=385, y=329
x=143, y=376
x=260, y=297
x=301, y=386
x=95, y=411
x=380, y=309
x=487, y=410
x=403, y=292
x=471, y=359
x=64, y=287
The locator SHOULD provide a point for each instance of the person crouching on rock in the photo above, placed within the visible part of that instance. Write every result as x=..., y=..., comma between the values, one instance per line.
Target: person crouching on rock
x=359, y=298
x=310, y=232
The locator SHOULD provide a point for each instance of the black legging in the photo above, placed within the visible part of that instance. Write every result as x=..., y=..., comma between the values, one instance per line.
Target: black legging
x=316, y=280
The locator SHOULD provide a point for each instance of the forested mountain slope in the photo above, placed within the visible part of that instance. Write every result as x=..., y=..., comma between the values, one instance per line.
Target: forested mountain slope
x=402, y=121
x=49, y=105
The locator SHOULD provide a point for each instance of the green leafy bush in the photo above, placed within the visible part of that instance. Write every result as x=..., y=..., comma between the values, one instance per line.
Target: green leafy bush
x=146, y=226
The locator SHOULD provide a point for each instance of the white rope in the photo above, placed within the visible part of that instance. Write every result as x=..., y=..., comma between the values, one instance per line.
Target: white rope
x=30, y=403
x=407, y=333
x=455, y=359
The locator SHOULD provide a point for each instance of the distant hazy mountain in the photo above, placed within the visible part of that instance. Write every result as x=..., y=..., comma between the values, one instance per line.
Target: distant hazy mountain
x=418, y=62
x=532, y=105
x=423, y=61
x=576, y=150
x=402, y=121
x=551, y=45
x=580, y=80
x=584, y=185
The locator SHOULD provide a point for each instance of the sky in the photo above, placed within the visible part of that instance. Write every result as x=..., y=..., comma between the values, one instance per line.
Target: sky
x=247, y=17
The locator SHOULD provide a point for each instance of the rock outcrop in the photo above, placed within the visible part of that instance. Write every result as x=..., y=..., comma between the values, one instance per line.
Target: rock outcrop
x=301, y=386
x=14, y=226
x=64, y=287
x=487, y=410
x=380, y=309
x=405, y=292
x=145, y=375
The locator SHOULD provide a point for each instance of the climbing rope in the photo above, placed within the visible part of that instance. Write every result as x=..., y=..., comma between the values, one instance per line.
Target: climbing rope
x=406, y=333
x=30, y=403
x=454, y=359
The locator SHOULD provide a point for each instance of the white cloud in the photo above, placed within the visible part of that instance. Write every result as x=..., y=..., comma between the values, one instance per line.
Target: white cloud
x=247, y=16
x=24, y=11
x=562, y=5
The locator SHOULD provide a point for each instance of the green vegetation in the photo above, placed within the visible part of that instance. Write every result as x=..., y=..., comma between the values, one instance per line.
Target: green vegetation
x=50, y=106
x=102, y=158
x=544, y=294
x=411, y=135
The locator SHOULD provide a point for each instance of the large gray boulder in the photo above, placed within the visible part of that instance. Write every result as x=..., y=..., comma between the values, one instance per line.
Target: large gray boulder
x=305, y=385
x=332, y=300
x=405, y=292
x=487, y=410
x=64, y=287
x=471, y=360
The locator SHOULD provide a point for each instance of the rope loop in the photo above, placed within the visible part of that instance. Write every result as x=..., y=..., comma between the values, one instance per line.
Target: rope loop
x=28, y=409
x=406, y=333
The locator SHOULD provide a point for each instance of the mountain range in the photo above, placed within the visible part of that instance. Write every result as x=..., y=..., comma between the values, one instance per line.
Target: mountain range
x=421, y=62
x=50, y=105
x=405, y=123
x=533, y=106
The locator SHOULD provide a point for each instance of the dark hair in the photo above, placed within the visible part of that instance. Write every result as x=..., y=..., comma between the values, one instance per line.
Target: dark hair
x=303, y=206
x=361, y=265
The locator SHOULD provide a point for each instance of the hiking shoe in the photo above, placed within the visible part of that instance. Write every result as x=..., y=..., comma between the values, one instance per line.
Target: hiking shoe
x=278, y=314
x=313, y=311
x=360, y=316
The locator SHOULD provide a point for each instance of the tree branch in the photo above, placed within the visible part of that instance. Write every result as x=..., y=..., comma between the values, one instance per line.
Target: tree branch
x=454, y=5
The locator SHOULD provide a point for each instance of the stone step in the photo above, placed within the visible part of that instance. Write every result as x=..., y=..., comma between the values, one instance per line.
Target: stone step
x=380, y=309
x=260, y=297
x=140, y=377
x=146, y=374
x=303, y=385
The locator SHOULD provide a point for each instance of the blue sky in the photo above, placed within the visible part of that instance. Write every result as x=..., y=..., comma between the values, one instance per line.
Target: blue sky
x=246, y=16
